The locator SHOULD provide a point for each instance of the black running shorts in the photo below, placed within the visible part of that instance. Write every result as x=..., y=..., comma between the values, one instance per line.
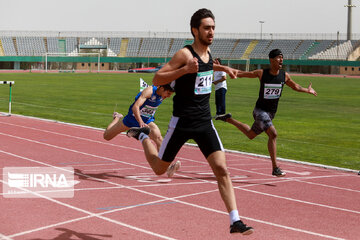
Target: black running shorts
x=205, y=136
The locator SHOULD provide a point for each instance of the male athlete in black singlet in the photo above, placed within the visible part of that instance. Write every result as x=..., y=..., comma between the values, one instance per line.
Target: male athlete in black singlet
x=190, y=72
x=271, y=85
x=191, y=113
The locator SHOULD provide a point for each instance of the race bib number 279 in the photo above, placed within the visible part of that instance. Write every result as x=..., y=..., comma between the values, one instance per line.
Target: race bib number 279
x=203, y=82
x=272, y=91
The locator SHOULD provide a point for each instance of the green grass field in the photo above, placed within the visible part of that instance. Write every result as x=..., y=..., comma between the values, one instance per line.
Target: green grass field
x=323, y=129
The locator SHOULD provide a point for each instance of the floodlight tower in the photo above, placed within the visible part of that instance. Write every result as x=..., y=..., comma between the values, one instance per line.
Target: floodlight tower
x=261, y=23
x=349, y=24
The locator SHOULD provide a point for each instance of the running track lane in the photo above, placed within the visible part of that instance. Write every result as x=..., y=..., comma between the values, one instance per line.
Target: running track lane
x=119, y=197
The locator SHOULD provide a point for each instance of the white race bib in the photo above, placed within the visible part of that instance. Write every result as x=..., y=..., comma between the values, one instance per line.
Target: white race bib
x=148, y=111
x=272, y=91
x=203, y=82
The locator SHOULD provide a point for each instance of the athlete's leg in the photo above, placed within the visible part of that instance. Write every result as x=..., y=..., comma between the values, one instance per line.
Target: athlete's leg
x=246, y=129
x=160, y=161
x=115, y=127
x=155, y=134
x=223, y=100
x=210, y=145
x=217, y=163
x=218, y=102
x=158, y=166
x=271, y=132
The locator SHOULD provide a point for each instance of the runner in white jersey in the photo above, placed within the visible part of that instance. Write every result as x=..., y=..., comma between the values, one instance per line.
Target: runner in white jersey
x=220, y=92
x=190, y=71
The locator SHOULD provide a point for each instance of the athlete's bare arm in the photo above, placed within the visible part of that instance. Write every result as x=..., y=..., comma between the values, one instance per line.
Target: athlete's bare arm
x=145, y=94
x=180, y=64
x=297, y=87
x=253, y=74
x=223, y=78
x=231, y=71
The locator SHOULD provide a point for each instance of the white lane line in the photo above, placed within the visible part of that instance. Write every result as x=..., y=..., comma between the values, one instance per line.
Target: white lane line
x=190, y=204
x=90, y=214
x=76, y=137
x=135, y=149
x=236, y=153
x=3, y=237
x=229, y=152
x=299, y=201
x=116, y=145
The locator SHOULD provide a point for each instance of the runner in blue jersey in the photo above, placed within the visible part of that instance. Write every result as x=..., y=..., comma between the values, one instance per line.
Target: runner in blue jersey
x=272, y=82
x=190, y=71
x=141, y=113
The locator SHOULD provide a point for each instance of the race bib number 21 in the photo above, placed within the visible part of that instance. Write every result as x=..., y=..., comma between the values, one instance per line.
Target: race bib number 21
x=203, y=82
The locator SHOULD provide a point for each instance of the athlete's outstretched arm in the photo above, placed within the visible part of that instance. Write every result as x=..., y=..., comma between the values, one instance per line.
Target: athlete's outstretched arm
x=297, y=87
x=231, y=71
x=253, y=74
x=180, y=64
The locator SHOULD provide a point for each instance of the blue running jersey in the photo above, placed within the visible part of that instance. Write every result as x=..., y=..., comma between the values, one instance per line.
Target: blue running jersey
x=147, y=110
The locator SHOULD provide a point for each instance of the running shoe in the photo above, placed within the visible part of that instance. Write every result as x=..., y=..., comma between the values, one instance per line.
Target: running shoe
x=117, y=115
x=278, y=172
x=173, y=168
x=240, y=227
x=223, y=117
x=135, y=132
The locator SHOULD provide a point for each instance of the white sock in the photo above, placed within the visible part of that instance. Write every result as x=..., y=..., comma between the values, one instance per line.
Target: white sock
x=234, y=216
x=142, y=136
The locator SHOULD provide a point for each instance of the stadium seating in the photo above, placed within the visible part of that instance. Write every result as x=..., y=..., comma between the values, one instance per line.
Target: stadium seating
x=8, y=46
x=287, y=47
x=1, y=49
x=134, y=45
x=241, y=47
x=141, y=46
x=261, y=49
x=301, y=50
x=71, y=46
x=154, y=47
x=317, y=47
x=335, y=51
x=114, y=47
x=30, y=46
x=175, y=45
x=92, y=41
x=53, y=45
x=223, y=47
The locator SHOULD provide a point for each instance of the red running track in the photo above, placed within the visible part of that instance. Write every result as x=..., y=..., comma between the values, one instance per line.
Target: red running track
x=118, y=196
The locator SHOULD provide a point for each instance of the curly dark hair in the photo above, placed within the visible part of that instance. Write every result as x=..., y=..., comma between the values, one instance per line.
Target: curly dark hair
x=198, y=16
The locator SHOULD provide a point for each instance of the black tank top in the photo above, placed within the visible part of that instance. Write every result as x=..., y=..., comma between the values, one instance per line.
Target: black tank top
x=192, y=93
x=270, y=90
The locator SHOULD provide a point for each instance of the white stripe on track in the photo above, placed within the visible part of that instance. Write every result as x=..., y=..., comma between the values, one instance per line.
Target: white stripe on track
x=90, y=214
x=186, y=203
x=180, y=197
x=3, y=237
